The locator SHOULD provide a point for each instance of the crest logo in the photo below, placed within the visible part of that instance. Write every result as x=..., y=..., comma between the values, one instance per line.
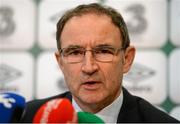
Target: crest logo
x=139, y=73
x=8, y=73
x=7, y=102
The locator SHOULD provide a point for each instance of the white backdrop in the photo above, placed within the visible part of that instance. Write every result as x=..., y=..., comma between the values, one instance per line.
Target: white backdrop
x=27, y=45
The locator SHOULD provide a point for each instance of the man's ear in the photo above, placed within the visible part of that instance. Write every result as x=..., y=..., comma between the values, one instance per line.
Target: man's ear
x=128, y=58
x=59, y=59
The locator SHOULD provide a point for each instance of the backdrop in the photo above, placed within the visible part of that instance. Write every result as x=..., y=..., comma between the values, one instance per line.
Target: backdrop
x=27, y=44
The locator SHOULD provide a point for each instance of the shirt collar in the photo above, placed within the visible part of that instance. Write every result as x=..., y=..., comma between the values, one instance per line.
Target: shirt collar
x=110, y=113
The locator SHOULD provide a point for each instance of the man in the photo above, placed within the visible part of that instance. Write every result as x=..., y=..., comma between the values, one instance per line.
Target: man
x=94, y=52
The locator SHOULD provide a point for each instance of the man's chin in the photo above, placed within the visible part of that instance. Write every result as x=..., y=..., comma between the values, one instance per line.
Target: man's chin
x=92, y=98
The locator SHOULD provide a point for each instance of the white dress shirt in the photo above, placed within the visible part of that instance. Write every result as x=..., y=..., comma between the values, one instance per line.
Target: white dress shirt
x=110, y=113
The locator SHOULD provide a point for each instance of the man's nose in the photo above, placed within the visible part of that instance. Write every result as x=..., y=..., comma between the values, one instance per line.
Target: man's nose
x=89, y=65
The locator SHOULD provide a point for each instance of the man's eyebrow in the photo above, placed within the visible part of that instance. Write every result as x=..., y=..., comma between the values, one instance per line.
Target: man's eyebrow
x=74, y=46
x=104, y=45
x=99, y=45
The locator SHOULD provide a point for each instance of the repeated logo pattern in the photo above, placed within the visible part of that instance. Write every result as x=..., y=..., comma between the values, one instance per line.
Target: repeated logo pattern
x=139, y=73
x=8, y=73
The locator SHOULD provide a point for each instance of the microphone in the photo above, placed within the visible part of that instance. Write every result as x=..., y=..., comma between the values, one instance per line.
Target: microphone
x=11, y=107
x=56, y=111
x=60, y=110
x=86, y=117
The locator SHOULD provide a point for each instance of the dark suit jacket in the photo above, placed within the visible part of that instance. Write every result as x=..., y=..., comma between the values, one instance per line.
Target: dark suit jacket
x=134, y=109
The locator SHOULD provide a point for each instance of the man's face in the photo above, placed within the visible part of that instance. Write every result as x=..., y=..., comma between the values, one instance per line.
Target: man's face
x=92, y=82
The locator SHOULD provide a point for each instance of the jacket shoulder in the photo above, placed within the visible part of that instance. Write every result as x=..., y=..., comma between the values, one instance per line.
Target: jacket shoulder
x=150, y=113
x=136, y=109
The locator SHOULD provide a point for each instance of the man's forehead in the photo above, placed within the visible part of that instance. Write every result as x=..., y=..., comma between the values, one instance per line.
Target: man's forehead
x=89, y=27
x=89, y=16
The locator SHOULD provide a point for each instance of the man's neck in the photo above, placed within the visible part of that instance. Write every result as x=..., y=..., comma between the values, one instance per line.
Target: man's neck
x=108, y=114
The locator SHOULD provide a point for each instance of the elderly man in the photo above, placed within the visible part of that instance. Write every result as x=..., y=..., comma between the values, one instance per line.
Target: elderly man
x=93, y=53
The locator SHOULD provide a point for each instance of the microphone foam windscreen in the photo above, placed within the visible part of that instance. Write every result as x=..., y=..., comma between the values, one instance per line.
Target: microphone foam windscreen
x=55, y=111
x=85, y=117
x=11, y=107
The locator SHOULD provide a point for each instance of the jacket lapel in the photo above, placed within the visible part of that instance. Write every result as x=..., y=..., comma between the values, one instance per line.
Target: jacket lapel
x=129, y=110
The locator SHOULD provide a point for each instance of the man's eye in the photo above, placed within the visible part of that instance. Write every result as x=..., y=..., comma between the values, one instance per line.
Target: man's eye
x=104, y=51
x=74, y=52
